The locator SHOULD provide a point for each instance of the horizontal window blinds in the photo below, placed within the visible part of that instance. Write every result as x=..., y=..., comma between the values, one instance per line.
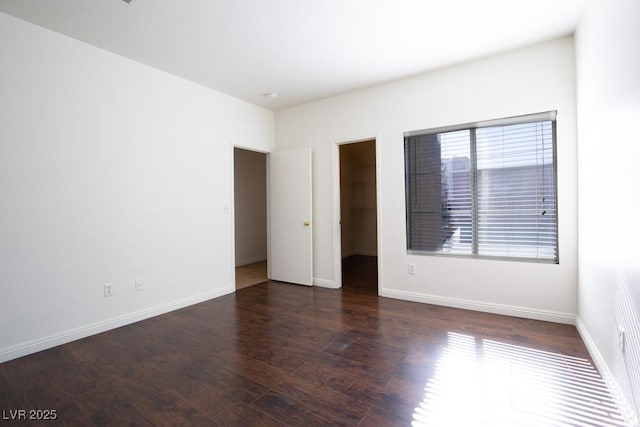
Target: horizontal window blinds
x=440, y=192
x=484, y=191
x=516, y=191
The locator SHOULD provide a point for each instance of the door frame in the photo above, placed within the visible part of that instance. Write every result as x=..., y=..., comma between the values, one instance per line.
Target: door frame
x=336, y=225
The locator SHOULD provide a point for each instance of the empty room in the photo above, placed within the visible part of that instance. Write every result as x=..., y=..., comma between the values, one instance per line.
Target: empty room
x=359, y=213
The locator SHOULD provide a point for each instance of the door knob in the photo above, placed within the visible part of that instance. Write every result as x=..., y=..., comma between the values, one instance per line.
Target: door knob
x=306, y=223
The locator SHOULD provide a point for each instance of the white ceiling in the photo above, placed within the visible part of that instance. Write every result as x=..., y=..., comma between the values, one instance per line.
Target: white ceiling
x=303, y=49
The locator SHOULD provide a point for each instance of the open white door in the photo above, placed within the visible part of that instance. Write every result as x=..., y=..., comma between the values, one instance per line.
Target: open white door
x=290, y=236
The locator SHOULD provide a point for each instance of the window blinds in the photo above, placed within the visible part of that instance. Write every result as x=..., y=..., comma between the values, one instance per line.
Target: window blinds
x=484, y=189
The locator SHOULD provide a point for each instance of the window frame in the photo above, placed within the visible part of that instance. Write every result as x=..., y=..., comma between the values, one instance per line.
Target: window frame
x=472, y=126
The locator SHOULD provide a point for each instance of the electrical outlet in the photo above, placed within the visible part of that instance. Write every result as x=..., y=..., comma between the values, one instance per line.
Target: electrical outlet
x=108, y=289
x=621, y=339
x=138, y=285
x=412, y=269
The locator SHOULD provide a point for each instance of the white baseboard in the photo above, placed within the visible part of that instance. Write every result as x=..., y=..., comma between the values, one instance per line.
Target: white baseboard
x=631, y=418
x=366, y=253
x=324, y=283
x=34, y=346
x=247, y=261
x=507, y=310
x=356, y=253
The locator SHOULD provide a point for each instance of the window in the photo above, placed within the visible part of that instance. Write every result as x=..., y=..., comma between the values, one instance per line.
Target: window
x=484, y=189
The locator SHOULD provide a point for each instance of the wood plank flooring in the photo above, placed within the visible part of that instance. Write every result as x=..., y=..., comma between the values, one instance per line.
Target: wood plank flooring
x=276, y=354
x=251, y=274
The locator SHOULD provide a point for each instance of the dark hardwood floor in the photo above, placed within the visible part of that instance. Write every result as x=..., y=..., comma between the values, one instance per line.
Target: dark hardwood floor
x=279, y=354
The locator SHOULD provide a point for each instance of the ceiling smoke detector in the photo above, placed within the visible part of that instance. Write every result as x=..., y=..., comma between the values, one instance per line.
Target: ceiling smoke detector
x=271, y=94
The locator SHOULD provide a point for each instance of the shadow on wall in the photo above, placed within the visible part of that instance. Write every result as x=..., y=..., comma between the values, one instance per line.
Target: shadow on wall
x=358, y=206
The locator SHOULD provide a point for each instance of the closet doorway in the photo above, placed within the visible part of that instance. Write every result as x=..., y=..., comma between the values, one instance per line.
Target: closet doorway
x=358, y=215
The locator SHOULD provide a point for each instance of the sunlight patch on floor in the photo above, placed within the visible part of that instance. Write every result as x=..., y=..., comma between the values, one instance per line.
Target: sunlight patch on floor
x=480, y=382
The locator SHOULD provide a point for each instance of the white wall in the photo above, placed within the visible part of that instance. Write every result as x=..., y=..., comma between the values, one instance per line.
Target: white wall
x=250, y=199
x=346, y=202
x=110, y=171
x=535, y=79
x=608, y=86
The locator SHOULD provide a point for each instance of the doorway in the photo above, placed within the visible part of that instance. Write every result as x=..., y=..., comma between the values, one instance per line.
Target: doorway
x=358, y=215
x=250, y=216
